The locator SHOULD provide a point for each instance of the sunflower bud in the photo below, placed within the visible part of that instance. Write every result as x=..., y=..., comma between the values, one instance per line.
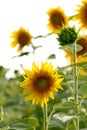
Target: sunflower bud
x=67, y=35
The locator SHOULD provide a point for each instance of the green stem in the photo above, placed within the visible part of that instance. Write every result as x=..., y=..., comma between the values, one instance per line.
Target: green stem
x=45, y=117
x=75, y=74
x=49, y=118
x=2, y=113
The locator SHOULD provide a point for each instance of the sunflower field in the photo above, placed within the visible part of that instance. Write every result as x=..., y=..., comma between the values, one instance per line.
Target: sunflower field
x=46, y=96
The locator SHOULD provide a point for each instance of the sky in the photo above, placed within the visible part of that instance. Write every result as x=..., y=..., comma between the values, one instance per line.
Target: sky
x=30, y=14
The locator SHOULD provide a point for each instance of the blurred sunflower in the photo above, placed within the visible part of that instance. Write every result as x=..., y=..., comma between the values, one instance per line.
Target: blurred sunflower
x=40, y=83
x=82, y=14
x=83, y=43
x=21, y=38
x=57, y=19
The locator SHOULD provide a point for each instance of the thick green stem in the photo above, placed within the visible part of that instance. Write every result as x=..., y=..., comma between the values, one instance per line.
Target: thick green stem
x=45, y=117
x=75, y=74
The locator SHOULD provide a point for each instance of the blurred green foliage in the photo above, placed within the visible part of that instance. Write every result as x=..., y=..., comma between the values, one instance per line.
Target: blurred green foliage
x=15, y=114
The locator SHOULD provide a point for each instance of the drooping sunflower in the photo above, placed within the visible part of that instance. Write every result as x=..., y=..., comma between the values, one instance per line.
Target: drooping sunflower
x=83, y=43
x=81, y=16
x=21, y=38
x=57, y=19
x=40, y=83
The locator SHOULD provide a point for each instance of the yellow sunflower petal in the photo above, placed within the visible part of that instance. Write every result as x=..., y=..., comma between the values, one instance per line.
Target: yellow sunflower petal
x=26, y=71
x=51, y=95
x=35, y=67
x=41, y=84
x=81, y=17
x=13, y=44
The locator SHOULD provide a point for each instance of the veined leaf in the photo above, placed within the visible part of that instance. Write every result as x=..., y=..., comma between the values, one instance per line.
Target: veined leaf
x=54, y=123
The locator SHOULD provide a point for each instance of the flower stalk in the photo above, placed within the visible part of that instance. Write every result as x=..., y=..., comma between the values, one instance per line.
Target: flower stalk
x=45, y=117
x=75, y=74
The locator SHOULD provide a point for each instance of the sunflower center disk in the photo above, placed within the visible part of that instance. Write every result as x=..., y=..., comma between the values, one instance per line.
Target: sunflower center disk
x=56, y=20
x=42, y=83
x=23, y=39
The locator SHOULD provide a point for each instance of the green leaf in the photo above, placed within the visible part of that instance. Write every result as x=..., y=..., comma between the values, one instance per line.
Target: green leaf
x=24, y=123
x=52, y=56
x=22, y=54
x=3, y=125
x=79, y=64
x=83, y=78
x=64, y=118
x=54, y=123
x=83, y=129
x=64, y=106
x=70, y=47
x=83, y=90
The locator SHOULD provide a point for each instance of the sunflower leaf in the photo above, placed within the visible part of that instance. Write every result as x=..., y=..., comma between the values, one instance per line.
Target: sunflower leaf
x=56, y=123
x=64, y=118
x=64, y=106
x=24, y=123
x=79, y=64
x=22, y=54
x=52, y=56
x=83, y=90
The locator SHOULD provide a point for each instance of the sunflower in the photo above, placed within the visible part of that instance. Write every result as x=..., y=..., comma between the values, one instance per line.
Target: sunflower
x=21, y=38
x=83, y=43
x=82, y=14
x=67, y=35
x=57, y=19
x=40, y=83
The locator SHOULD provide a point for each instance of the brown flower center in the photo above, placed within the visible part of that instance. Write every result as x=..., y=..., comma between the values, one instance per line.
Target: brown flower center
x=57, y=19
x=23, y=39
x=42, y=82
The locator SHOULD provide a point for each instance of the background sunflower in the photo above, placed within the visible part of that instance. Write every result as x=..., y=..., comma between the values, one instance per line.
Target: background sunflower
x=21, y=38
x=57, y=19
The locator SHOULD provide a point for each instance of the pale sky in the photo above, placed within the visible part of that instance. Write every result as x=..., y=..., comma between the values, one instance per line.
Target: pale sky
x=30, y=14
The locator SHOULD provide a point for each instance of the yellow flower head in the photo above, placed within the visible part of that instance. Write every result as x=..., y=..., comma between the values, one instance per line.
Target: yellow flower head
x=83, y=43
x=40, y=83
x=57, y=19
x=82, y=14
x=21, y=38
